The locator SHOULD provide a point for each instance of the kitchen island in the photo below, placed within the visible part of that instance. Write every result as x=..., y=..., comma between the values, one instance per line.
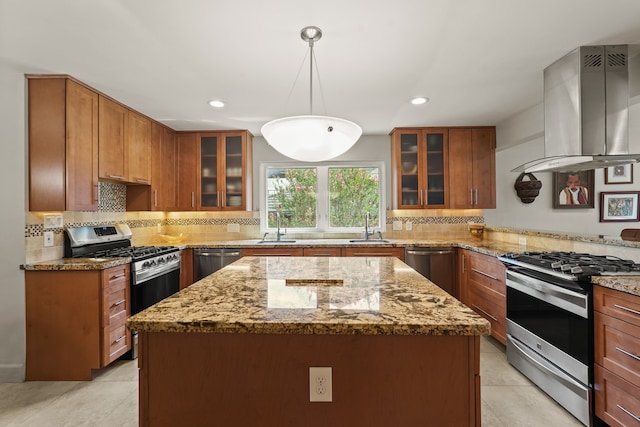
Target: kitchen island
x=235, y=348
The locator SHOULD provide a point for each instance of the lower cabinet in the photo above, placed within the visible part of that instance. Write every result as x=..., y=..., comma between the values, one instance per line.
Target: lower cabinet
x=617, y=356
x=187, y=267
x=482, y=287
x=75, y=322
x=326, y=251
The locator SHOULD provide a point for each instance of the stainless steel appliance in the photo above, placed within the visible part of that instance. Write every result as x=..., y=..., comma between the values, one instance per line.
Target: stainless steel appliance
x=435, y=263
x=550, y=322
x=155, y=270
x=210, y=260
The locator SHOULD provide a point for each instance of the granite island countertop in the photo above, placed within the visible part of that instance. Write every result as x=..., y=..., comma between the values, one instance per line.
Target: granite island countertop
x=313, y=295
x=71, y=264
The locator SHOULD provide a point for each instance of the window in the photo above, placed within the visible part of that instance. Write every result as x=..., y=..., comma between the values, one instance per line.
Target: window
x=322, y=198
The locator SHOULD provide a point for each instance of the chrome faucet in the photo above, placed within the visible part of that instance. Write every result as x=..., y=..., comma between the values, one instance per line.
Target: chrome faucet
x=278, y=233
x=367, y=233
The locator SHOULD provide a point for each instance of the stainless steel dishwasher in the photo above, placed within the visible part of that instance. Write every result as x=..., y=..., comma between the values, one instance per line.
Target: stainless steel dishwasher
x=435, y=263
x=209, y=261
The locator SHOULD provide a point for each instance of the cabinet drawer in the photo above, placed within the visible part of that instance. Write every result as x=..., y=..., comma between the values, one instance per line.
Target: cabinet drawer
x=617, y=401
x=617, y=346
x=272, y=252
x=116, y=342
x=322, y=251
x=618, y=304
x=486, y=271
x=115, y=303
x=115, y=275
x=492, y=306
x=393, y=252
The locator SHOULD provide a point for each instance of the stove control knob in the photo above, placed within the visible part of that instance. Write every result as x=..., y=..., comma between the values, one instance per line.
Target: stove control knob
x=161, y=260
x=145, y=264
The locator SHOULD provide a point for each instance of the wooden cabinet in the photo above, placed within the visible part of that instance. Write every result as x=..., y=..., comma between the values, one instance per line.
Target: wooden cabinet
x=482, y=287
x=161, y=194
x=273, y=251
x=124, y=144
x=186, y=267
x=617, y=356
x=374, y=251
x=472, y=177
x=214, y=170
x=322, y=251
x=112, y=140
x=138, y=141
x=420, y=168
x=187, y=173
x=75, y=322
x=224, y=171
x=63, y=145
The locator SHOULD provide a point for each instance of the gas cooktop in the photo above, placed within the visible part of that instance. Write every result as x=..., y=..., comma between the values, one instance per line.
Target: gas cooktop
x=573, y=265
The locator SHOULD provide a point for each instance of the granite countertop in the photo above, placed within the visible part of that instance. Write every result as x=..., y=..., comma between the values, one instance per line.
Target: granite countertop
x=313, y=295
x=627, y=284
x=69, y=264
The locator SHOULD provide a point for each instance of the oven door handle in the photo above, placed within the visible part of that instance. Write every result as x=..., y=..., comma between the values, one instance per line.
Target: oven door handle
x=552, y=371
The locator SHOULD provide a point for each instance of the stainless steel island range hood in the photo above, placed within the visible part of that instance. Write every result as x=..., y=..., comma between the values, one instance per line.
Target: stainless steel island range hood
x=586, y=111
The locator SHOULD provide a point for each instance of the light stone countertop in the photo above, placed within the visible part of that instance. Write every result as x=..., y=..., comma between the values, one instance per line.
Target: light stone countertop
x=627, y=284
x=313, y=295
x=70, y=264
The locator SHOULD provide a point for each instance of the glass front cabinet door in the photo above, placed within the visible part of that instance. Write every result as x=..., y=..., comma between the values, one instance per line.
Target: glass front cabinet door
x=420, y=168
x=225, y=178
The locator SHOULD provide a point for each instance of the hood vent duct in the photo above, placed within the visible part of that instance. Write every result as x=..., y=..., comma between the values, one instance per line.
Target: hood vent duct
x=586, y=111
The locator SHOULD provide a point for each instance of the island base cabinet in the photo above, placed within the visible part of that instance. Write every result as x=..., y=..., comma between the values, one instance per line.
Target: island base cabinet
x=263, y=379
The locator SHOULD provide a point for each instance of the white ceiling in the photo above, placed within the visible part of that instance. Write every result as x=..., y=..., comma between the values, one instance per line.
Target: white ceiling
x=479, y=61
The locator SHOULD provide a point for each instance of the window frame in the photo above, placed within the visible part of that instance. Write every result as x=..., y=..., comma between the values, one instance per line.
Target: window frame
x=322, y=192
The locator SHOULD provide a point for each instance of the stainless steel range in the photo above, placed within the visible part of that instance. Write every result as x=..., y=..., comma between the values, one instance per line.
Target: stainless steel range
x=155, y=270
x=550, y=321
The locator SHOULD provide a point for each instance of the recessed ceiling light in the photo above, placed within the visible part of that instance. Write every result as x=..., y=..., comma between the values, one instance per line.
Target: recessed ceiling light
x=215, y=103
x=419, y=100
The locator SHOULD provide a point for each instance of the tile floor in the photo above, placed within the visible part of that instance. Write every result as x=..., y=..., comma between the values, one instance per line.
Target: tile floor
x=508, y=398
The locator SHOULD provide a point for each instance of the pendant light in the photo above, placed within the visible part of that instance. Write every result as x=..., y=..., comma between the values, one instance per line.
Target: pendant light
x=311, y=138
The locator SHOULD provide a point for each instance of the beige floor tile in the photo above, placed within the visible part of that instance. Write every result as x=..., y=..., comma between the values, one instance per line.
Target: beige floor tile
x=19, y=401
x=525, y=406
x=489, y=419
x=495, y=370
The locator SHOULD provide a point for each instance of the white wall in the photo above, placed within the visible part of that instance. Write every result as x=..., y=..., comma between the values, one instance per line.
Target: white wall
x=521, y=139
x=12, y=226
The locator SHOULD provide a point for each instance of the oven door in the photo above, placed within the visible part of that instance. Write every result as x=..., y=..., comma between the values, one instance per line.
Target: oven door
x=147, y=292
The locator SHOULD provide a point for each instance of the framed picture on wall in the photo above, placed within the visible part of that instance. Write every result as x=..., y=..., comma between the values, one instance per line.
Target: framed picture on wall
x=619, y=206
x=573, y=190
x=619, y=174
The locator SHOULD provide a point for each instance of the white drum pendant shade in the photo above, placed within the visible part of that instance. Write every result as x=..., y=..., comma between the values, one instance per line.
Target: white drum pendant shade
x=311, y=138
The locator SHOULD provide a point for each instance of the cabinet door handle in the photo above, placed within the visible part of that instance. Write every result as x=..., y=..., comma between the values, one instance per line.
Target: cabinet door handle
x=471, y=196
x=484, y=274
x=633, y=356
x=630, y=310
x=117, y=276
x=155, y=197
x=476, y=191
x=463, y=256
x=119, y=339
x=142, y=180
x=116, y=177
x=193, y=199
x=495, y=319
x=117, y=303
x=626, y=411
x=97, y=193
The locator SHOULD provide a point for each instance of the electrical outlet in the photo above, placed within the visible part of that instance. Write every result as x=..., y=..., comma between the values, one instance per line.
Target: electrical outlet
x=522, y=241
x=52, y=221
x=320, y=384
x=48, y=239
x=233, y=228
x=409, y=225
x=397, y=225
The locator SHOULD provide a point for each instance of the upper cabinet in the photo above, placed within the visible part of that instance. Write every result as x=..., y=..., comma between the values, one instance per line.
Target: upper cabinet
x=187, y=172
x=124, y=144
x=472, y=181
x=63, y=145
x=419, y=159
x=224, y=180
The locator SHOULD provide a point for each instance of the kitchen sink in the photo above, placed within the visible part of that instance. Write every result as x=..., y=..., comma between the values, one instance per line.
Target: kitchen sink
x=276, y=241
x=369, y=241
